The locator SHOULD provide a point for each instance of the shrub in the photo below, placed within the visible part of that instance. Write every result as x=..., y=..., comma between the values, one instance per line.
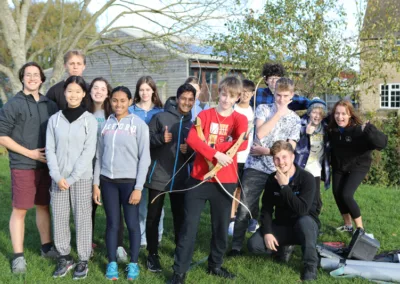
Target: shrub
x=385, y=168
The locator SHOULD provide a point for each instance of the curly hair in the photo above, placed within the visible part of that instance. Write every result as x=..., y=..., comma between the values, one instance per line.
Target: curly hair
x=273, y=69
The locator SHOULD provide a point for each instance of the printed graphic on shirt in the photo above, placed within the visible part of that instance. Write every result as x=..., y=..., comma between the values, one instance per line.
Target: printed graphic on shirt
x=218, y=133
x=121, y=128
x=287, y=127
x=316, y=147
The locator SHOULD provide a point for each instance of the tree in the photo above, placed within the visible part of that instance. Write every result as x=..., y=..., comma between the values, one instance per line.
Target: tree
x=23, y=42
x=305, y=36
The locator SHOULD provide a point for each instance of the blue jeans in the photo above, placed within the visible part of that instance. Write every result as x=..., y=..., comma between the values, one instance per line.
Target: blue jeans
x=143, y=216
x=253, y=183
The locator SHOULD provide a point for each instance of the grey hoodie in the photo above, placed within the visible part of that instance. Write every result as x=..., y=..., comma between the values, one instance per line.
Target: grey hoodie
x=70, y=147
x=24, y=120
x=123, y=150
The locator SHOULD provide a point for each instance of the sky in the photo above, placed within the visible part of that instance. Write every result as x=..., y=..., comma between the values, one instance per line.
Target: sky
x=350, y=7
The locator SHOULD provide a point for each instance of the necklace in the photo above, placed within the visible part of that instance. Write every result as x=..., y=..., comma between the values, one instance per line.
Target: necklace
x=219, y=122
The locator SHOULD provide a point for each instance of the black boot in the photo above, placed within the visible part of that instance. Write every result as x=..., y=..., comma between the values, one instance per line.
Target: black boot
x=309, y=273
x=178, y=278
x=221, y=272
x=284, y=254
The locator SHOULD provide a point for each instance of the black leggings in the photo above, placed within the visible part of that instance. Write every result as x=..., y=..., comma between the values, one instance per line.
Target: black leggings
x=344, y=186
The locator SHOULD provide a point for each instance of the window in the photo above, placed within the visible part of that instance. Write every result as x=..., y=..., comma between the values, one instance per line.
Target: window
x=390, y=95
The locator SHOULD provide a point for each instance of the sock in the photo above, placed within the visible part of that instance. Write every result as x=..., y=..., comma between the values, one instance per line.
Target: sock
x=16, y=255
x=233, y=219
x=46, y=247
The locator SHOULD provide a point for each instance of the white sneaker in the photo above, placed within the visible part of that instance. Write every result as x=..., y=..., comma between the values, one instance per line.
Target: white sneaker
x=122, y=256
x=231, y=227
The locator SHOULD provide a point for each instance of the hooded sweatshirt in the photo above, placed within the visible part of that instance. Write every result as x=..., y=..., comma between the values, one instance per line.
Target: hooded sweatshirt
x=70, y=147
x=166, y=158
x=123, y=150
x=25, y=121
x=145, y=115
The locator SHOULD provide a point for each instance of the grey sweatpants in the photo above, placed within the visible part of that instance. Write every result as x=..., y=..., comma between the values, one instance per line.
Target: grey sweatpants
x=79, y=197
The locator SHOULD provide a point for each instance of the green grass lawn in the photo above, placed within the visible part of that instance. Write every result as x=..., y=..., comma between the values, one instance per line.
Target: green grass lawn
x=380, y=213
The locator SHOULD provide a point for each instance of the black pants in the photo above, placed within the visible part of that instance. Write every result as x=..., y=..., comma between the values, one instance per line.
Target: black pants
x=303, y=233
x=220, y=205
x=120, y=230
x=318, y=194
x=344, y=185
x=154, y=215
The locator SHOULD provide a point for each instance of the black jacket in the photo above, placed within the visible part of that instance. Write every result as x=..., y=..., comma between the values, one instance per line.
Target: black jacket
x=291, y=202
x=56, y=94
x=166, y=158
x=351, y=150
x=25, y=121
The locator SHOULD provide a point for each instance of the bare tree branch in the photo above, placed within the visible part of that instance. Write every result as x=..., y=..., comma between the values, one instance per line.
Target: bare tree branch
x=39, y=21
x=25, y=5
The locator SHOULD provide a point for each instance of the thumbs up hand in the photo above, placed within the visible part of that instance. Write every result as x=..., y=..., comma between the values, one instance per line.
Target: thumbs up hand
x=183, y=147
x=310, y=128
x=167, y=135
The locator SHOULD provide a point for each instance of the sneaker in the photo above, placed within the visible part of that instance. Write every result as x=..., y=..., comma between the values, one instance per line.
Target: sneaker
x=221, y=272
x=63, y=266
x=52, y=253
x=133, y=271
x=19, y=265
x=253, y=226
x=345, y=228
x=178, y=278
x=81, y=270
x=284, y=254
x=234, y=253
x=231, y=227
x=153, y=263
x=112, y=271
x=309, y=273
x=122, y=256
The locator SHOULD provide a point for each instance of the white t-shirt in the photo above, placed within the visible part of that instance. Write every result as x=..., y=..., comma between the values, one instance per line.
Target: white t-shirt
x=248, y=112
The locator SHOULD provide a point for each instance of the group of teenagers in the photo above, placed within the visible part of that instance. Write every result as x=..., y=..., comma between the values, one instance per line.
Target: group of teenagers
x=82, y=146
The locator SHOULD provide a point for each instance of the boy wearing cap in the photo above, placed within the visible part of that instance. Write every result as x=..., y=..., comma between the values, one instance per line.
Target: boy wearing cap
x=313, y=147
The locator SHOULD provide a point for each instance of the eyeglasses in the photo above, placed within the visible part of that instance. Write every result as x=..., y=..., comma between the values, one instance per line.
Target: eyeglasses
x=273, y=78
x=34, y=76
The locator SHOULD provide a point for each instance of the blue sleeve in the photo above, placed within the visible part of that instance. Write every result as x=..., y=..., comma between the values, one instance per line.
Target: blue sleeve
x=299, y=103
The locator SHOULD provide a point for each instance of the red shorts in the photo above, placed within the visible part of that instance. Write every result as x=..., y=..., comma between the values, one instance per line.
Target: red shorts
x=30, y=187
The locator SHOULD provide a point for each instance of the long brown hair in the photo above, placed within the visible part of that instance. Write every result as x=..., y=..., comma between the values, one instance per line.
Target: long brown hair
x=155, y=99
x=354, y=116
x=106, y=104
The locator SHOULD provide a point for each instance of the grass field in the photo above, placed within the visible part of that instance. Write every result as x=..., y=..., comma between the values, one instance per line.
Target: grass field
x=380, y=213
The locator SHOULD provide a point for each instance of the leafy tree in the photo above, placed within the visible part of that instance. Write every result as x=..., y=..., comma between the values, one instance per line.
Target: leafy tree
x=306, y=36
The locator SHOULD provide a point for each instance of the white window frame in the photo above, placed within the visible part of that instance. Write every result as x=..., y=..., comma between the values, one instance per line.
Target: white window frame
x=392, y=87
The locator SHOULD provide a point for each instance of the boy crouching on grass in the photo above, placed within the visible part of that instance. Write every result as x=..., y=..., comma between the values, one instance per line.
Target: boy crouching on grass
x=217, y=124
x=290, y=197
